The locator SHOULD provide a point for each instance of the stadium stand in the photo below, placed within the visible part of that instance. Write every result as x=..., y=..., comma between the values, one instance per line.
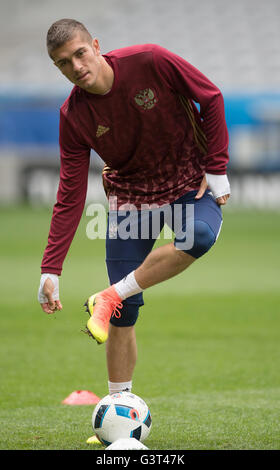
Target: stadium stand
x=236, y=43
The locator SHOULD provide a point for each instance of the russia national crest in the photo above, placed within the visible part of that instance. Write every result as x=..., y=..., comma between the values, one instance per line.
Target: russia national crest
x=146, y=98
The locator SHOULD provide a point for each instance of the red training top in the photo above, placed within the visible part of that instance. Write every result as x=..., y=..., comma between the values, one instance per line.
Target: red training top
x=155, y=143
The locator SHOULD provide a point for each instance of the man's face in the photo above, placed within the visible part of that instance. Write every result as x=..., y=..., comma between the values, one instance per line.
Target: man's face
x=79, y=61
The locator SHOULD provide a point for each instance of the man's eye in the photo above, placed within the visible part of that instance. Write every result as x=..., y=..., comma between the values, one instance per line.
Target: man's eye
x=80, y=53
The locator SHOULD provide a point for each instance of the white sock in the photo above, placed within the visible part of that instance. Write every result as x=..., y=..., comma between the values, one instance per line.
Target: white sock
x=127, y=286
x=115, y=387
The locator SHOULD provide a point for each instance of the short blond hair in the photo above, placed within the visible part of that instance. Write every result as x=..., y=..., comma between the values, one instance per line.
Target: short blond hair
x=62, y=31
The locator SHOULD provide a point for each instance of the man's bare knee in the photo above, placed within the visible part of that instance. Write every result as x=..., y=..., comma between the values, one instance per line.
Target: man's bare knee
x=183, y=259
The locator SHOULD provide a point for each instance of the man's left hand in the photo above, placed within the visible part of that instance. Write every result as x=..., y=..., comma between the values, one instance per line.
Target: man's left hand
x=218, y=185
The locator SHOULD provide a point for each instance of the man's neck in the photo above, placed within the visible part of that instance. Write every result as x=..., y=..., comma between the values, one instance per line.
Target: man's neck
x=106, y=79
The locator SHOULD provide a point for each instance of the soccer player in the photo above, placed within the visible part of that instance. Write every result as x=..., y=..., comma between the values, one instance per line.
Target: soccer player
x=136, y=108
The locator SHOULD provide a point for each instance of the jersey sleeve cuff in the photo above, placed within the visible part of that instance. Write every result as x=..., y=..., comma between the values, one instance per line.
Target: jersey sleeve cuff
x=51, y=271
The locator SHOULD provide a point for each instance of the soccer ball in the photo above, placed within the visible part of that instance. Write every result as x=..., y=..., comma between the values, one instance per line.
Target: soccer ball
x=121, y=415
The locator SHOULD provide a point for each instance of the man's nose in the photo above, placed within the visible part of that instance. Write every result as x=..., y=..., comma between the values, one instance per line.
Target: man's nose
x=76, y=65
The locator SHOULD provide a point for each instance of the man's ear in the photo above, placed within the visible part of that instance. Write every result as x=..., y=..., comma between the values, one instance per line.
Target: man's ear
x=96, y=46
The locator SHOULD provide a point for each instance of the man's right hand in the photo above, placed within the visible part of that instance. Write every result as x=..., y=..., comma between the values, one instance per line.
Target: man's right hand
x=48, y=294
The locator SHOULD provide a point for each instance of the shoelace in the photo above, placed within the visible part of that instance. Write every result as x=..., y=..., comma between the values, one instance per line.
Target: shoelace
x=116, y=306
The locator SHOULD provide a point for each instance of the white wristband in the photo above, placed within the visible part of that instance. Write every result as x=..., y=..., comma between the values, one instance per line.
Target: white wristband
x=54, y=278
x=218, y=184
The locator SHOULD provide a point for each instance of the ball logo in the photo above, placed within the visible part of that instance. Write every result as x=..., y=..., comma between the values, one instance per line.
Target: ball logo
x=146, y=99
x=116, y=395
x=134, y=414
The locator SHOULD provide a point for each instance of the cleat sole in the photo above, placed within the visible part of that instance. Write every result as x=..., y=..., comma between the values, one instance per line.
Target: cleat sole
x=87, y=332
x=94, y=331
x=87, y=308
x=98, y=333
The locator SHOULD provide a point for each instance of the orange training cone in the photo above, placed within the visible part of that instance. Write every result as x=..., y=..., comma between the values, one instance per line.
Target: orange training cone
x=81, y=397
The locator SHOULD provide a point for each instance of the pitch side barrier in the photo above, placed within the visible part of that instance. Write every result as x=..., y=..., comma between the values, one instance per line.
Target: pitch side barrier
x=29, y=151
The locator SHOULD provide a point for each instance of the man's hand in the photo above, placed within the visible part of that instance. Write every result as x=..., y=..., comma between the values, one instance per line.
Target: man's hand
x=48, y=294
x=219, y=186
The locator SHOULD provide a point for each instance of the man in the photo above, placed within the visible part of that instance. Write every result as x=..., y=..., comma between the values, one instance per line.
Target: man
x=135, y=108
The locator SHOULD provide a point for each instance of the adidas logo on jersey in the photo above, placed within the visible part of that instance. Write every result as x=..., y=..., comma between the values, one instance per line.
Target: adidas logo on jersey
x=101, y=130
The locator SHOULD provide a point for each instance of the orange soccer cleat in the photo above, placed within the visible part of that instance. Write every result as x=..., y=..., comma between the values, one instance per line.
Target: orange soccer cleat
x=101, y=307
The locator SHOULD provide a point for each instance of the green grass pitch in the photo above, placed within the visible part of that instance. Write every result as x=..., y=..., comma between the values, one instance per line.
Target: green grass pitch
x=208, y=341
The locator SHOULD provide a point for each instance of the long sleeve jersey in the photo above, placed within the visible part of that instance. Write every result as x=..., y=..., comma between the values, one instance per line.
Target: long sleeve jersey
x=156, y=143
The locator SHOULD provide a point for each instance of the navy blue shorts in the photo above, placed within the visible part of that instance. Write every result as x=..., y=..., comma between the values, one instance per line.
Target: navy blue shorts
x=131, y=236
